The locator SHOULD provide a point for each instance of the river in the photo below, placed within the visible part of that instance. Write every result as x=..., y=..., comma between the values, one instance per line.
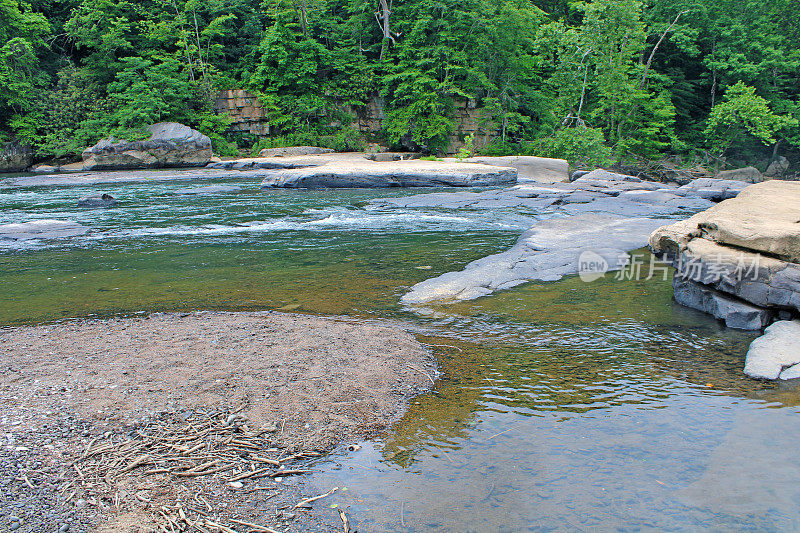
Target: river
x=562, y=406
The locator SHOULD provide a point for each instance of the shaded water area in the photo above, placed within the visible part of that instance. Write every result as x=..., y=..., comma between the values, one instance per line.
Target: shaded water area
x=562, y=406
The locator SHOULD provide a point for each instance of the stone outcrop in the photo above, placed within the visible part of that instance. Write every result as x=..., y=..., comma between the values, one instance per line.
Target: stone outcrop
x=170, y=145
x=293, y=151
x=365, y=173
x=713, y=189
x=746, y=174
x=745, y=250
x=776, y=354
x=15, y=157
x=41, y=229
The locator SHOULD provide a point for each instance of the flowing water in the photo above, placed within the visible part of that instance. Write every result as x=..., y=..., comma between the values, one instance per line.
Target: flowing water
x=562, y=406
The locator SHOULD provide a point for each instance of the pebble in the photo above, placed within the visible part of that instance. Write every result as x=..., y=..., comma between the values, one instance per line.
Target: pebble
x=235, y=484
x=64, y=528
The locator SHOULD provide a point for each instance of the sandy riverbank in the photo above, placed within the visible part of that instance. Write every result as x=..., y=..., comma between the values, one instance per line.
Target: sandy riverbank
x=244, y=389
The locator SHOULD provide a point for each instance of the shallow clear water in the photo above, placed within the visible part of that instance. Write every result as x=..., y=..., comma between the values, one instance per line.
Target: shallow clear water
x=562, y=406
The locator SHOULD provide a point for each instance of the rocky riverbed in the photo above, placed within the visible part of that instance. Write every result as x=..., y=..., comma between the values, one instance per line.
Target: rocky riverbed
x=80, y=397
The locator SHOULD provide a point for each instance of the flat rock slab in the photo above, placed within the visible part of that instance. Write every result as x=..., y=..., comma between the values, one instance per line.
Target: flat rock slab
x=529, y=168
x=273, y=163
x=42, y=229
x=627, y=196
x=208, y=190
x=548, y=251
x=775, y=354
x=129, y=176
x=415, y=173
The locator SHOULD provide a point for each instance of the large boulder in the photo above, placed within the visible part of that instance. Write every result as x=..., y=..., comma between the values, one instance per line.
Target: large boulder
x=15, y=157
x=762, y=218
x=365, y=173
x=292, y=151
x=170, y=145
x=746, y=174
x=776, y=354
x=529, y=168
x=778, y=168
x=746, y=247
x=41, y=229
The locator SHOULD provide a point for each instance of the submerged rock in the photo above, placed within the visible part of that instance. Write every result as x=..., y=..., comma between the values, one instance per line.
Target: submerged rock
x=548, y=251
x=15, y=157
x=208, y=190
x=98, y=200
x=364, y=173
x=170, y=145
x=775, y=354
x=41, y=229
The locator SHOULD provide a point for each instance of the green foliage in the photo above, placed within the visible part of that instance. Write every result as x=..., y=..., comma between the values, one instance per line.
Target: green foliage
x=641, y=78
x=580, y=146
x=743, y=113
x=468, y=149
x=345, y=140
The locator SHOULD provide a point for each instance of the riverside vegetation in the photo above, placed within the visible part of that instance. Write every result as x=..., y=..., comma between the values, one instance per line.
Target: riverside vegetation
x=589, y=81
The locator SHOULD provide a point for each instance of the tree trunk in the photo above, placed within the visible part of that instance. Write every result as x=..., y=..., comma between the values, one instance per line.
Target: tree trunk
x=383, y=21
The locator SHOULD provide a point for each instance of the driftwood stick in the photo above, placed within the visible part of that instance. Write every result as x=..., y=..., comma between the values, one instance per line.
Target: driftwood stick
x=307, y=501
x=345, y=521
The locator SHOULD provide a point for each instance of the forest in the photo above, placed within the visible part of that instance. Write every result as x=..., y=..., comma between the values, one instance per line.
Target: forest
x=597, y=81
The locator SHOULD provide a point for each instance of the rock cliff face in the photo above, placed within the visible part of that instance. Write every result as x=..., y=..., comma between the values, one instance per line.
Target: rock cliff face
x=14, y=157
x=740, y=261
x=170, y=145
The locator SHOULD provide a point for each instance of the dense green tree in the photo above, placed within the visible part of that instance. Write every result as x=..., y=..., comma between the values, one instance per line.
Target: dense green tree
x=632, y=78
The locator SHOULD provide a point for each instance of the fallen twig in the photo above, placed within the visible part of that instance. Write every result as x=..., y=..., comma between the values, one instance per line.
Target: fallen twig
x=307, y=501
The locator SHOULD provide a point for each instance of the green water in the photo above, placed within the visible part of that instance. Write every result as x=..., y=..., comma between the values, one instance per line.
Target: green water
x=562, y=406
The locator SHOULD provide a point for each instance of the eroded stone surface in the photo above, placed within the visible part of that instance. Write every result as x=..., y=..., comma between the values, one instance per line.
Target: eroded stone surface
x=748, y=246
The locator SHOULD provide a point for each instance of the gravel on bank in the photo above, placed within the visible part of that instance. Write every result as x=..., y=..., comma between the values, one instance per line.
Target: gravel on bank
x=296, y=385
